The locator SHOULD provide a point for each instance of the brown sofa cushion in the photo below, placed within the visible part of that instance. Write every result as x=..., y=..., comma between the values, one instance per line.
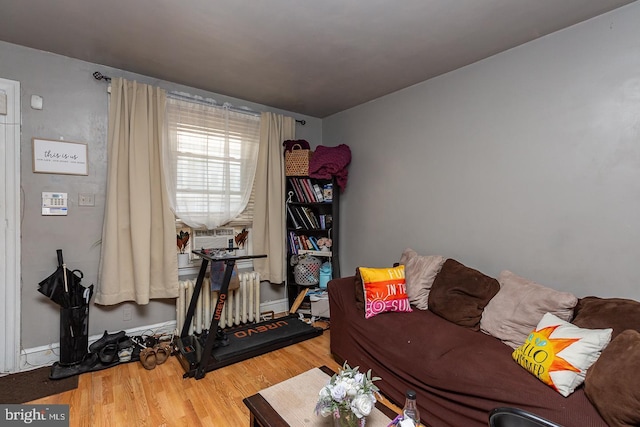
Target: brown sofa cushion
x=612, y=382
x=617, y=313
x=359, y=288
x=460, y=294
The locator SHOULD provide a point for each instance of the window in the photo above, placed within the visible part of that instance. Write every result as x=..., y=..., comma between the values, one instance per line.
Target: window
x=211, y=156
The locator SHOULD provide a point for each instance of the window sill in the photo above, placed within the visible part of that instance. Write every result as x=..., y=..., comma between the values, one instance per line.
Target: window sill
x=194, y=267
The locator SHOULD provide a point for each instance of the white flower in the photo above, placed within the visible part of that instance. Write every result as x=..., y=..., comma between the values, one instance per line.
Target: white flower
x=348, y=390
x=361, y=406
x=359, y=378
x=351, y=388
x=338, y=392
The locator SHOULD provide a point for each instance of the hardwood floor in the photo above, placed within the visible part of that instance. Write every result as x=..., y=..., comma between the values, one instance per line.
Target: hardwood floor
x=128, y=394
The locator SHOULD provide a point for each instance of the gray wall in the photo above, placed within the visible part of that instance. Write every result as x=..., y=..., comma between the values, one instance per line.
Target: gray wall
x=527, y=161
x=75, y=108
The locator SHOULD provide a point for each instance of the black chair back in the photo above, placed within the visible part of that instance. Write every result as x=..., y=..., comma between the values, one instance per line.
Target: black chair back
x=514, y=417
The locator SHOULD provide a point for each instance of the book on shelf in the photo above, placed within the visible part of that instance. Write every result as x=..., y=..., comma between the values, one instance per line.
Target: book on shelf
x=296, y=218
x=311, y=216
x=294, y=221
x=315, y=190
x=294, y=246
x=314, y=243
x=308, y=243
x=302, y=216
x=306, y=184
x=318, y=192
x=323, y=221
x=314, y=252
x=296, y=243
x=304, y=244
x=327, y=191
x=300, y=194
x=307, y=191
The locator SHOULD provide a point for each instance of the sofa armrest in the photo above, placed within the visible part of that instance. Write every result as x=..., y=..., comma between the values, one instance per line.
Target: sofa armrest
x=342, y=306
x=344, y=286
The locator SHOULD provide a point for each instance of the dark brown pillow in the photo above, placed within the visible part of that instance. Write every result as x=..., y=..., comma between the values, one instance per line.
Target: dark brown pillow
x=598, y=313
x=459, y=294
x=359, y=291
x=612, y=381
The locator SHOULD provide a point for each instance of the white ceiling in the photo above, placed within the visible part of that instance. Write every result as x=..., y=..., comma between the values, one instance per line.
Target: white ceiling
x=313, y=57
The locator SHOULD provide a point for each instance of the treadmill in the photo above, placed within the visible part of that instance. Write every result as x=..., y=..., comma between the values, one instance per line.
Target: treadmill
x=208, y=351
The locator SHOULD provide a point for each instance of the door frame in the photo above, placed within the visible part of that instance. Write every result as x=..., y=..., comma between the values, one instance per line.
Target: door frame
x=10, y=273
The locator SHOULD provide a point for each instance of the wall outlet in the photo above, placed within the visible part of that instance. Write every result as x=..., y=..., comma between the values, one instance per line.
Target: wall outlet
x=126, y=313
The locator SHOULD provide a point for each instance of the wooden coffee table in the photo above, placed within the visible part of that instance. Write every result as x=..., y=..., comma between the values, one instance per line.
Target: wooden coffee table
x=292, y=403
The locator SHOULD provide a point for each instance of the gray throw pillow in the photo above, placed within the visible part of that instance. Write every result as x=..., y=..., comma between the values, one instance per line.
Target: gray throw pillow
x=518, y=307
x=420, y=272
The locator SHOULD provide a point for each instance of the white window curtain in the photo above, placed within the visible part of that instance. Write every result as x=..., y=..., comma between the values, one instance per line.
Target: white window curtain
x=211, y=158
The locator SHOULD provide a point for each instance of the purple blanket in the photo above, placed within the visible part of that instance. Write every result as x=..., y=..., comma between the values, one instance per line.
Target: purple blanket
x=327, y=162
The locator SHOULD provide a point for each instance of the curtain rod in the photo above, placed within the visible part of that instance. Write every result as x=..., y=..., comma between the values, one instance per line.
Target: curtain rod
x=99, y=76
x=210, y=102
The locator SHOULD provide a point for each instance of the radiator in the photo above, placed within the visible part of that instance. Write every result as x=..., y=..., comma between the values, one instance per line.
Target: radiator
x=242, y=305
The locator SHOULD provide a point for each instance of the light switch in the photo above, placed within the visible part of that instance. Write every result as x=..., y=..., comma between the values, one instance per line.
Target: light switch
x=86, y=199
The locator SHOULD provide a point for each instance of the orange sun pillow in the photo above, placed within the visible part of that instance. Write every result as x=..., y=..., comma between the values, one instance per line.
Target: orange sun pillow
x=559, y=353
x=384, y=290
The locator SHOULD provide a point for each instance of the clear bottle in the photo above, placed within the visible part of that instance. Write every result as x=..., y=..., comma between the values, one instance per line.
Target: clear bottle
x=410, y=410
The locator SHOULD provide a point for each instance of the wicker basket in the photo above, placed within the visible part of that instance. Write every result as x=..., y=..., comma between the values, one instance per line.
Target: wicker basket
x=296, y=161
x=307, y=271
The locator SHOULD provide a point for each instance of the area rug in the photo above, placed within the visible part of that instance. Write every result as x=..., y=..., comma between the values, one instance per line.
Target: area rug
x=31, y=385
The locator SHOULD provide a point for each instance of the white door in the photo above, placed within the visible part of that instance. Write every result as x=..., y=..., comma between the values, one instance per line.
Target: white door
x=9, y=226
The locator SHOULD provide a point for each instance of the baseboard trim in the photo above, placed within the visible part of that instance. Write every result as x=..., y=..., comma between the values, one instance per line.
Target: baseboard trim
x=277, y=306
x=37, y=357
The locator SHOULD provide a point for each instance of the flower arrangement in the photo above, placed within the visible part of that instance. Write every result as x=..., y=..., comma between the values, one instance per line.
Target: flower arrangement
x=324, y=243
x=349, y=396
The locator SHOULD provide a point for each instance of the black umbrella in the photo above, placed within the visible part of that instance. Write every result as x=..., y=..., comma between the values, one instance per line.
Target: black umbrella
x=63, y=286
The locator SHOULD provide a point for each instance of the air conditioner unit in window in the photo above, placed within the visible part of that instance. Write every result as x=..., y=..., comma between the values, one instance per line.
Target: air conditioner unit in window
x=216, y=238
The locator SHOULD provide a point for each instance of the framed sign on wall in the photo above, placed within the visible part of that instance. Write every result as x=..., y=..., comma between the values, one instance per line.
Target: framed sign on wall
x=62, y=157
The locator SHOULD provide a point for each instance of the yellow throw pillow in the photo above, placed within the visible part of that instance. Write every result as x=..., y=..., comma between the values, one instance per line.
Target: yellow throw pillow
x=559, y=353
x=384, y=290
